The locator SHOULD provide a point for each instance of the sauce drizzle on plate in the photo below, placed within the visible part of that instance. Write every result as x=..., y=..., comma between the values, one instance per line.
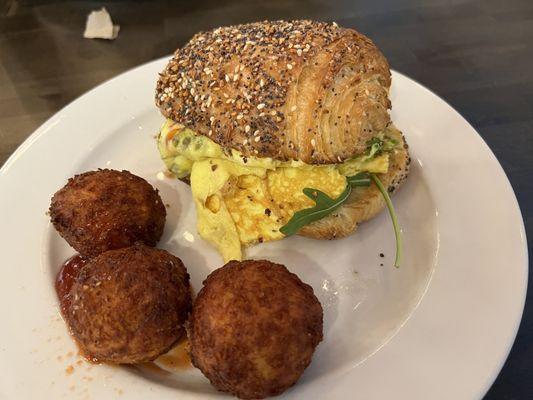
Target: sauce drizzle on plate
x=65, y=279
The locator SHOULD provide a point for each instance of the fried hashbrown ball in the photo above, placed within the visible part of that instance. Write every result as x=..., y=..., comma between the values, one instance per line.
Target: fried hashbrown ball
x=254, y=328
x=106, y=209
x=129, y=305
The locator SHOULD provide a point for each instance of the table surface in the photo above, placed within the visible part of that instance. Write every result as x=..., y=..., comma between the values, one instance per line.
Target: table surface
x=477, y=55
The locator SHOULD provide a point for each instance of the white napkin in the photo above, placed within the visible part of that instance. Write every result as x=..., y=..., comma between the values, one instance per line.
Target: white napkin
x=100, y=26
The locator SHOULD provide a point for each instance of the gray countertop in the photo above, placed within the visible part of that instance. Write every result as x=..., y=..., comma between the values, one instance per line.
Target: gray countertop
x=477, y=55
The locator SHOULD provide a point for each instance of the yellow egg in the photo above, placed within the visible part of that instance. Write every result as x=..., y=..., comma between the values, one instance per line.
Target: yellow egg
x=251, y=207
x=244, y=200
x=286, y=187
x=378, y=165
x=209, y=180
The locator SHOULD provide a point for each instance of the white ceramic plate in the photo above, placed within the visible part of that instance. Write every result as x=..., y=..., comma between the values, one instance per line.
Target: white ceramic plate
x=440, y=327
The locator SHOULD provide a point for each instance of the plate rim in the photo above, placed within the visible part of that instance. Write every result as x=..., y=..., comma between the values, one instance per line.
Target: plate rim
x=525, y=250
x=45, y=127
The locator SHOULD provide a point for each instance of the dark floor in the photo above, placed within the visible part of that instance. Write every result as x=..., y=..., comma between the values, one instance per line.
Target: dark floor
x=478, y=55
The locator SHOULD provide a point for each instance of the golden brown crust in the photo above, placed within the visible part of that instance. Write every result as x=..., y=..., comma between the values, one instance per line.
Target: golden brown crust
x=106, y=209
x=364, y=202
x=303, y=90
x=254, y=328
x=129, y=305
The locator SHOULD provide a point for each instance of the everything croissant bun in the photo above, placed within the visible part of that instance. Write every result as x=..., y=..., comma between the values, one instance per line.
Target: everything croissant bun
x=302, y=90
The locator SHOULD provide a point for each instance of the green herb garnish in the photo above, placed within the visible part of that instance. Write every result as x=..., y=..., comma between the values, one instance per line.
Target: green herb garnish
x=324, y=205
x=395, y=224
x=360, y=179
x=374, y=147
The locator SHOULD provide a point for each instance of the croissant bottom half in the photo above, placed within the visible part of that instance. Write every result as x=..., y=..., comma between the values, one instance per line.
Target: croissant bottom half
x=365, y=202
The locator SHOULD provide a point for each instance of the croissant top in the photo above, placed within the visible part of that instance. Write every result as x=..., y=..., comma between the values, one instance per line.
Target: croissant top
x=302, y=90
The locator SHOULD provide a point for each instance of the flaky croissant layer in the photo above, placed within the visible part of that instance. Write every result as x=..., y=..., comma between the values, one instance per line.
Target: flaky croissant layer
x=301, y=90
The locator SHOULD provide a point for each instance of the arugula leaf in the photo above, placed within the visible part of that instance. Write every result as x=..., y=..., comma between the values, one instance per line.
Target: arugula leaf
x=360, y=179
x=373, y=148
x=376, y=146
x=395, y=224
x=324, y=205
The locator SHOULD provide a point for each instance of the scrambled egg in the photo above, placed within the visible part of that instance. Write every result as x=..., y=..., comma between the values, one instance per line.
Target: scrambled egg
x=286, y=186
x=241, y=201
x=211, y=184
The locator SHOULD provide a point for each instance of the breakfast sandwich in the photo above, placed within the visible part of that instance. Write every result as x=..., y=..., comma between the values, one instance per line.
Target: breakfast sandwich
x=280, y=128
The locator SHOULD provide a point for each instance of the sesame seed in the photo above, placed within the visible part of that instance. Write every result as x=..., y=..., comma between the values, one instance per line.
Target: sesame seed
x=195, y=77
x=313, y=142
x=257, y=139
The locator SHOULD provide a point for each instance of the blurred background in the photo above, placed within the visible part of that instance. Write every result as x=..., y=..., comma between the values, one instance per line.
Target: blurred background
x=477, y=55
